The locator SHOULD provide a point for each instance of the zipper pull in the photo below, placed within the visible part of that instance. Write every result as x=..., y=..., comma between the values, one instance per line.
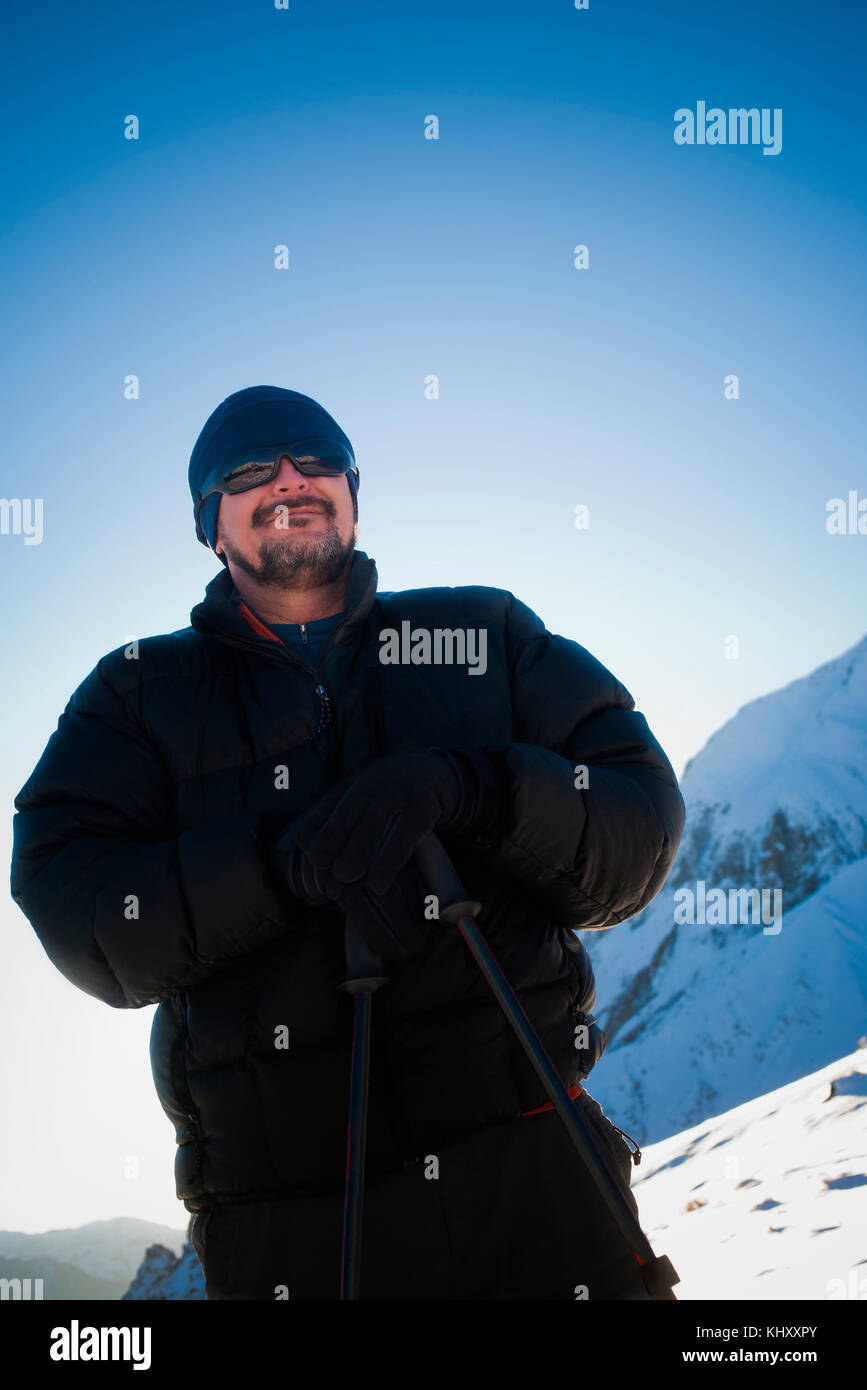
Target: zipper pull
x=303, y=627
x=636, y=1157
x=324, y=707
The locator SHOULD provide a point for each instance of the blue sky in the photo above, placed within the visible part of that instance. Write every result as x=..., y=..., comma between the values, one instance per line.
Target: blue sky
x=411, y=257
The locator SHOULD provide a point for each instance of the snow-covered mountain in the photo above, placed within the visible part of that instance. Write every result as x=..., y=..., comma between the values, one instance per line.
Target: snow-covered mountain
x=96, y=1261
x=705, y=1015
x=779, y=793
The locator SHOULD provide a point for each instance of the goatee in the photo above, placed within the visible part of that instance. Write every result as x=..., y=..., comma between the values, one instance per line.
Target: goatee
x=286, y=564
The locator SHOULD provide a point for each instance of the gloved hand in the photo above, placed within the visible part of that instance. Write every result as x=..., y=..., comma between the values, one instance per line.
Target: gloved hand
x=353, y=848
x=390, y=927
x=367, y=825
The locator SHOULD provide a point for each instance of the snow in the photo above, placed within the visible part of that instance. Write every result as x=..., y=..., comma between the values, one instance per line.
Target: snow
x=782, y=1183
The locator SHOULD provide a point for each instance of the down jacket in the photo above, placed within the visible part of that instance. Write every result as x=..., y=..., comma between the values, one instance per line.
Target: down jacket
x=139, y=860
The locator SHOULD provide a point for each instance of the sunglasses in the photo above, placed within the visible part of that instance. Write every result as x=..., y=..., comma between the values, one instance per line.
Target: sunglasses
x=316, y=458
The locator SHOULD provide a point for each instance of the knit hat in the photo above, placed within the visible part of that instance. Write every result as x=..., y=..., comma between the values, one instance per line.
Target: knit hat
x=254, y=418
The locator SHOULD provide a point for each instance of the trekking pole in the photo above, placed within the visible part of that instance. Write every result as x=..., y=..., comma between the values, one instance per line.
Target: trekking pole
x=438, y=872
x=363, y=982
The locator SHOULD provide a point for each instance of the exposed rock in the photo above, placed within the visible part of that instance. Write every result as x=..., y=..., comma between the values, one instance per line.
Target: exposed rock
x=162, y=1275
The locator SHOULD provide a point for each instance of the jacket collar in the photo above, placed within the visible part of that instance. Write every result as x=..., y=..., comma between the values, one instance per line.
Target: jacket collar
x=222, y=614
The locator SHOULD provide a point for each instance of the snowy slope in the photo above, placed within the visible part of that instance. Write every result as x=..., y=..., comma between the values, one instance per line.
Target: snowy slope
x=778, y=1189
x=734, y=1013
x=702, y=1017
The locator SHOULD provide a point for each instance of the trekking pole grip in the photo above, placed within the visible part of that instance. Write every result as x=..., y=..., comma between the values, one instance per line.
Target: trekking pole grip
x=438, y=874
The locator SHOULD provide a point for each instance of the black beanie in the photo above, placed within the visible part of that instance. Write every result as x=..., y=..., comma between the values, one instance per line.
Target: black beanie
x=254, y=418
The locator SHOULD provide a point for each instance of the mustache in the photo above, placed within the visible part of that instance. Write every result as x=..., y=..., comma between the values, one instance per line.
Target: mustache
x=263, y=515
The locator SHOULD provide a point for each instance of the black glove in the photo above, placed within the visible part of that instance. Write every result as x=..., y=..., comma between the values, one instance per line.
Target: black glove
x=367, y=825
x=389, y=927
x=353, y=849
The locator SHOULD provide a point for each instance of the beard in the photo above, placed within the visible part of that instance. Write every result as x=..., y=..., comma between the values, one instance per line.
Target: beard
x=295, y=560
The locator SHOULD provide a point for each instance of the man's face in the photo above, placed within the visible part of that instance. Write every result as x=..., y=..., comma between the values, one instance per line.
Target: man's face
x=293, y=531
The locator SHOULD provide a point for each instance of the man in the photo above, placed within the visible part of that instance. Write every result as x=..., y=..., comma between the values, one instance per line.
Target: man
x=218, y=803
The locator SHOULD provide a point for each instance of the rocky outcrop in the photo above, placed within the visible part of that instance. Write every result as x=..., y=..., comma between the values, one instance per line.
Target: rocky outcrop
x=164, y=1275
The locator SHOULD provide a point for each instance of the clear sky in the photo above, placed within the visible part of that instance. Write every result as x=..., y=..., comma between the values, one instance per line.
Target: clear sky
x=411, y=258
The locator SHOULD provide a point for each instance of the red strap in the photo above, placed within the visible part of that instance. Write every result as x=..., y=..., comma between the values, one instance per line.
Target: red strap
x=256, y=625
x=574, y=1092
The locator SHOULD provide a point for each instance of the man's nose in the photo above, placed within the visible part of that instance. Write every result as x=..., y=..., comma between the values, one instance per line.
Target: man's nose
x=287, y=474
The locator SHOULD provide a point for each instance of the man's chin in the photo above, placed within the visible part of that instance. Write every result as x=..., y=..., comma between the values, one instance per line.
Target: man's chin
x=296, y=560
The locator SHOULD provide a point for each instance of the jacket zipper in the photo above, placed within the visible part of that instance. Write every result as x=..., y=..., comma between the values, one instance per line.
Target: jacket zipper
x=324, y=697
x=325, y=705
x=322, y=693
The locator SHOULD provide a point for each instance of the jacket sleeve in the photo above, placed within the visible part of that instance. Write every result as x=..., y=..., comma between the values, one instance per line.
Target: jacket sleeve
x=597, y=844
x=127, y=911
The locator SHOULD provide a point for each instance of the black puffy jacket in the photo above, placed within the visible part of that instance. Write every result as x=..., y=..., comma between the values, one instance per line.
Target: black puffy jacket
x=138, y=859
